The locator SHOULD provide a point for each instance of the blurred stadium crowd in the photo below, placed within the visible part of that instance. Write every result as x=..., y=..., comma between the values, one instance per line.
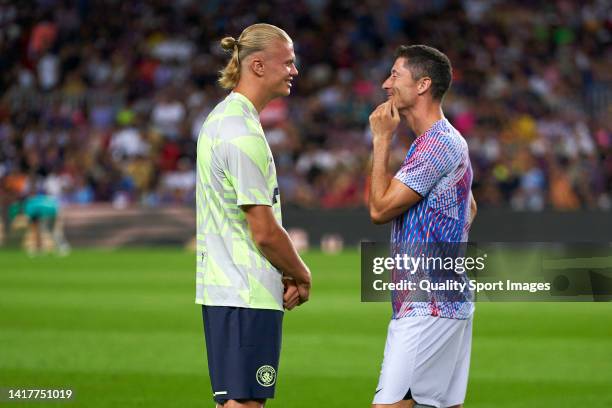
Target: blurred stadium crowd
x=103, y=100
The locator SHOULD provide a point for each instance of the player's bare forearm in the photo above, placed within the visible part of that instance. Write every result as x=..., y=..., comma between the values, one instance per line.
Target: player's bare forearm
x=380, y=179
x=383, y=122
x=389, y=197
x=277, y=247
x=275, y=244
x=279, y=250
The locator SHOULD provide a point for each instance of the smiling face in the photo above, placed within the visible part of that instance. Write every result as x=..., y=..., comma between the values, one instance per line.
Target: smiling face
x=400, y=86
x=279, y=63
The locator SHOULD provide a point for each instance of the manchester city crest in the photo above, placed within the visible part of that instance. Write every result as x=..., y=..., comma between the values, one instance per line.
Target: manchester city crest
x=266, y=376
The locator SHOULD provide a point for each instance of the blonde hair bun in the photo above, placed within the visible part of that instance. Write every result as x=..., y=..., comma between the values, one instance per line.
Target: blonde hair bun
x=228, y=43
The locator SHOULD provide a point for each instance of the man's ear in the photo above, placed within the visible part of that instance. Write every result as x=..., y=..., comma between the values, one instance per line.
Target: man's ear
x=257, y=66
x=423, y=85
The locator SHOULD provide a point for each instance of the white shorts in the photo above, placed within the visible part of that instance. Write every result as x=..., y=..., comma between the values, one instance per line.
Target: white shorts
x=428, y=356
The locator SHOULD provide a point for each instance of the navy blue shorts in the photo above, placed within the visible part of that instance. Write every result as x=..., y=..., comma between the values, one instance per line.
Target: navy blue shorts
x=243, y=348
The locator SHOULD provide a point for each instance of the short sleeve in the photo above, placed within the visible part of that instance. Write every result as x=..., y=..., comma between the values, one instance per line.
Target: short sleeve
x=428, y=161
x=248, y=160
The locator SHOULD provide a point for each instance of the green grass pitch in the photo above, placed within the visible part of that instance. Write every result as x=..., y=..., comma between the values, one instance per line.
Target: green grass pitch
x=121, y=329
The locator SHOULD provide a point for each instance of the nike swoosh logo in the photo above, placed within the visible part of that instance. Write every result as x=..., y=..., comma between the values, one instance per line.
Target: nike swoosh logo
x=377, y=391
